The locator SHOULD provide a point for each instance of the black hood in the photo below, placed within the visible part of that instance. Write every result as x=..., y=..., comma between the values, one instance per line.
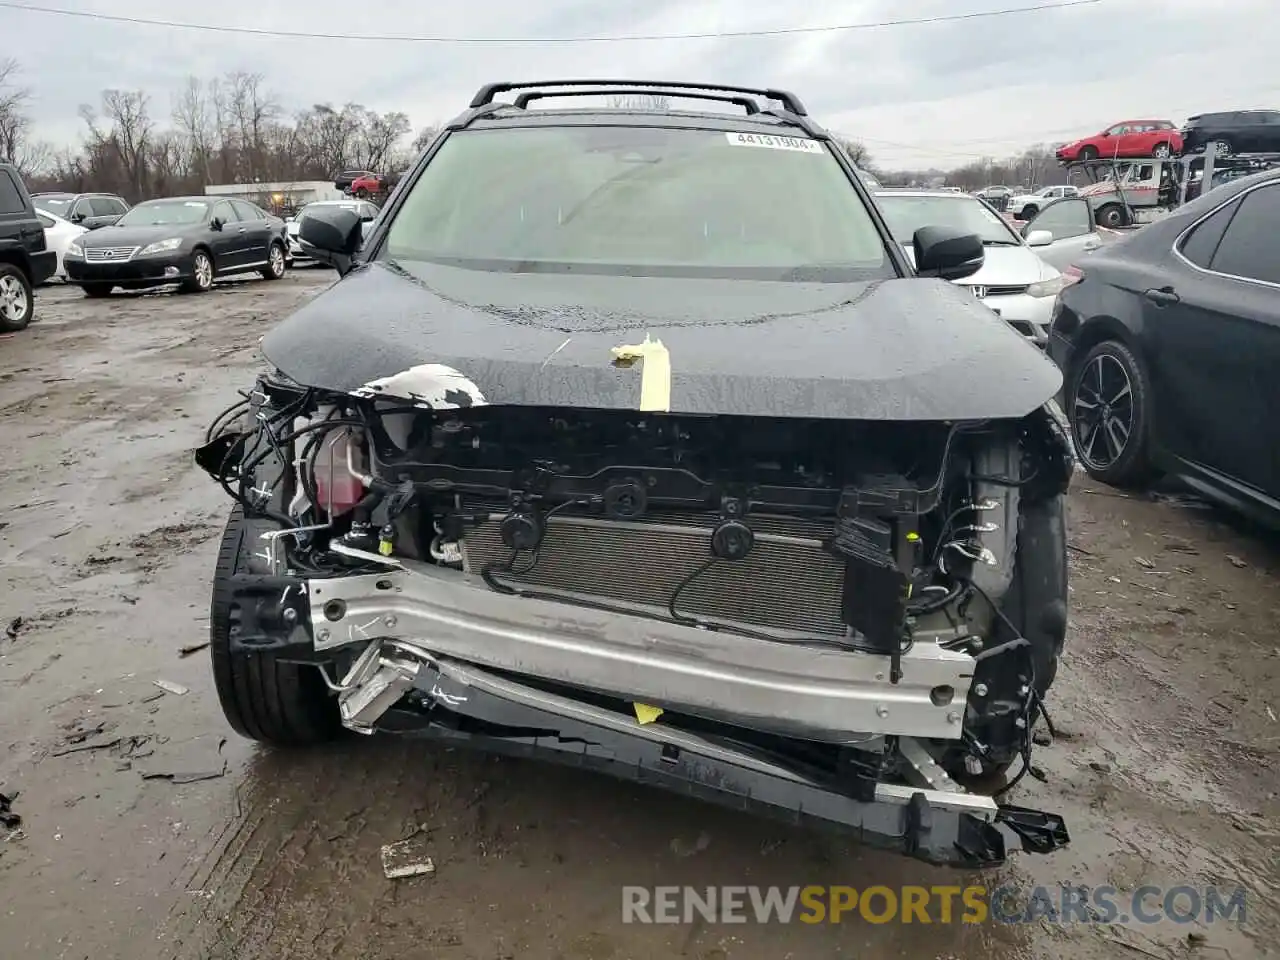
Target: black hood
x=139, y=236
x=903, y=349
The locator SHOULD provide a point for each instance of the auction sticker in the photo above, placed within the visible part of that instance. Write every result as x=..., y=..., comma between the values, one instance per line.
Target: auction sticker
x=799, y=144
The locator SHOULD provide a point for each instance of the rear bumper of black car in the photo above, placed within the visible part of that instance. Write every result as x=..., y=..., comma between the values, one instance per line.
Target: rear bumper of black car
x=151, y=270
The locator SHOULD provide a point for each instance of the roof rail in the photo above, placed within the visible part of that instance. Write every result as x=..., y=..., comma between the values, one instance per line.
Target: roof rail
x=746, y=103
x=790, y=101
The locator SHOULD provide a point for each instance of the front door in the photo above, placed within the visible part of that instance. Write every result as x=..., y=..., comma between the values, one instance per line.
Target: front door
x=228, y=243
x=1071, y=222
x=1216, y=339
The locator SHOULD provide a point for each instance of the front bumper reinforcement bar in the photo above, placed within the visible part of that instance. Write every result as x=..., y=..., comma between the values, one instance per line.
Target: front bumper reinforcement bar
x=466, y=705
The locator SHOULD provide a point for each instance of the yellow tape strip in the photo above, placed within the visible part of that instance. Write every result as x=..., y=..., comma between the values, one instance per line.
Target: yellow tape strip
x=655, y=372
x=645, y=713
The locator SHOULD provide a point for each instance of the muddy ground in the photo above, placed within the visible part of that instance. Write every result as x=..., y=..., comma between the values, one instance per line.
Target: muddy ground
x=150, y=829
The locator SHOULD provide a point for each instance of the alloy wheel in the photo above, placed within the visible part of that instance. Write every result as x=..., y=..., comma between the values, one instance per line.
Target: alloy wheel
x=13, y=299
x=276, y=258
x=1102, y=412
x=1162, y=152
x=203, y=271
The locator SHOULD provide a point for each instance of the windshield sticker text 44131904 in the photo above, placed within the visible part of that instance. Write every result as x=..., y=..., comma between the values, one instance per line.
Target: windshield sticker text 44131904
x=799, y=144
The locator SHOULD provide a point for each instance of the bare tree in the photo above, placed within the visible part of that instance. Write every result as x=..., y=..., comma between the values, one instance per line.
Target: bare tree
x=16, y=145
x=424, y=138
x=194, y=117
x=857, y=152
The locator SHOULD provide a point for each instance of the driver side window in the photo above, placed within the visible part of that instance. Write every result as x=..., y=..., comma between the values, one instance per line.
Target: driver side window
x=1064, y=219
x=222, y=211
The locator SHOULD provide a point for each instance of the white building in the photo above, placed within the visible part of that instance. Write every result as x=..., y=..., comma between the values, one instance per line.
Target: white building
x=277, y=196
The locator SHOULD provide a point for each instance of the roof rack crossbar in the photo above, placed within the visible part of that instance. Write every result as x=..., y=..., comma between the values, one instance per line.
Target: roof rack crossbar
x=747, y=104
x=792, y=103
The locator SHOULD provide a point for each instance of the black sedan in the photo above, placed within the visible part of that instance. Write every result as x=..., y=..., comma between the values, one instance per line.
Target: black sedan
x=183, y=240
x=1170, y=350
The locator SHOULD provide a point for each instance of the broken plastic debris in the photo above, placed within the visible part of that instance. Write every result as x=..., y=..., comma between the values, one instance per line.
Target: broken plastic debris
x=169, y=686
x=407, y=858
x=192, y=648
x=645, y=713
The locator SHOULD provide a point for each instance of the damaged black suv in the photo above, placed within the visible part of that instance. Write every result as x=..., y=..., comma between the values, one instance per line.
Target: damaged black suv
x=629, y=437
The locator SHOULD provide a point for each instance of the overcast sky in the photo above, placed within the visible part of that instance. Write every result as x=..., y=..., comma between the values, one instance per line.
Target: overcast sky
x=917, y=95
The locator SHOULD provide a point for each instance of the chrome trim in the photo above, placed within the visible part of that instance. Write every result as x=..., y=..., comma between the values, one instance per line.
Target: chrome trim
x=1177, y=242
x=109, y=254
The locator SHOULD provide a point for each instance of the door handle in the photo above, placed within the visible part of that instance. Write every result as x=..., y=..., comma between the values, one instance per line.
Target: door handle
x=1162, y=297
x=242, y=230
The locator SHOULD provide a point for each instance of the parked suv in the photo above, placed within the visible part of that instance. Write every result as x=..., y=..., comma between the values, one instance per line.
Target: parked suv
x=631, y=438
x=89, y=210
x=1234, y=131
x=25, y=261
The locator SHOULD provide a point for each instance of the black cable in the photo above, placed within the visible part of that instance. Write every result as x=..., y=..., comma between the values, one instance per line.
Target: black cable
x=684, y=585
x=223, y=418
x=1034, y=702
x=1004, y=481
x=935, y=604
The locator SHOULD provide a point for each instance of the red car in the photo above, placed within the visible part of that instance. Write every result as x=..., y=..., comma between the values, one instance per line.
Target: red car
x=370, y=185
x=1132, y=138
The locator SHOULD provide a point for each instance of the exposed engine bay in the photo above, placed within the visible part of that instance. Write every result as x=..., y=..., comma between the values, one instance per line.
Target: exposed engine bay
x=833, y=599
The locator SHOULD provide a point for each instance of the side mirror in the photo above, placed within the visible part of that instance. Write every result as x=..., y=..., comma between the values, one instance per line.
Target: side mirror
x=333, y=236
x=1038, y=238
x=947, y=254
x=77, y=218
x=215, y=224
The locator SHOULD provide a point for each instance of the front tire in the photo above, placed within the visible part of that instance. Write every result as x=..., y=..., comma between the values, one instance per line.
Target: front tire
x=201, y=279
x=1029, y=211
x=1162, y=151
x=275, y=267
x=17, y=300
x=1089, y=153
x=263, y=698
x=1109, y=408
x=1112, y=216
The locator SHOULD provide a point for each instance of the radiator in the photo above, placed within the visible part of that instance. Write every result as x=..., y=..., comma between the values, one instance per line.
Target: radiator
x=787, y=583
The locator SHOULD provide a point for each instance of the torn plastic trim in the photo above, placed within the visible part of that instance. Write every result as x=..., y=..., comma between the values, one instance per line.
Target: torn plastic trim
x=821, y=693
x=472, y=707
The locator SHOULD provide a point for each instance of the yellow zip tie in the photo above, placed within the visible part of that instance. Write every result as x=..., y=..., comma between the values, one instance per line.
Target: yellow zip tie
x=655, y=372
x=645, y=713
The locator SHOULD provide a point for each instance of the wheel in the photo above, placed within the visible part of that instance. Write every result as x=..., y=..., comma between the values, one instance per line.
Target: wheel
x=1029, y=211
x=275, y=267
x=17, y=301
x=1112, y=216
x=1162, y=151
x=1223, y=147
x=1089, y=153
x=1109, y=409
x=96, y=289
x=201, y=278
x=362, y=194
x=285, y=704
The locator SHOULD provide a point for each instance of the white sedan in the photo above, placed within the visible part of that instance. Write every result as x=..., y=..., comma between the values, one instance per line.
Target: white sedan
x=367, y=211
x=1018, y=279
x=58, y=235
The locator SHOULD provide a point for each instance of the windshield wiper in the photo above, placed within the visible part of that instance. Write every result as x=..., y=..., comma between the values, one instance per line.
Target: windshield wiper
x=1001, y=243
